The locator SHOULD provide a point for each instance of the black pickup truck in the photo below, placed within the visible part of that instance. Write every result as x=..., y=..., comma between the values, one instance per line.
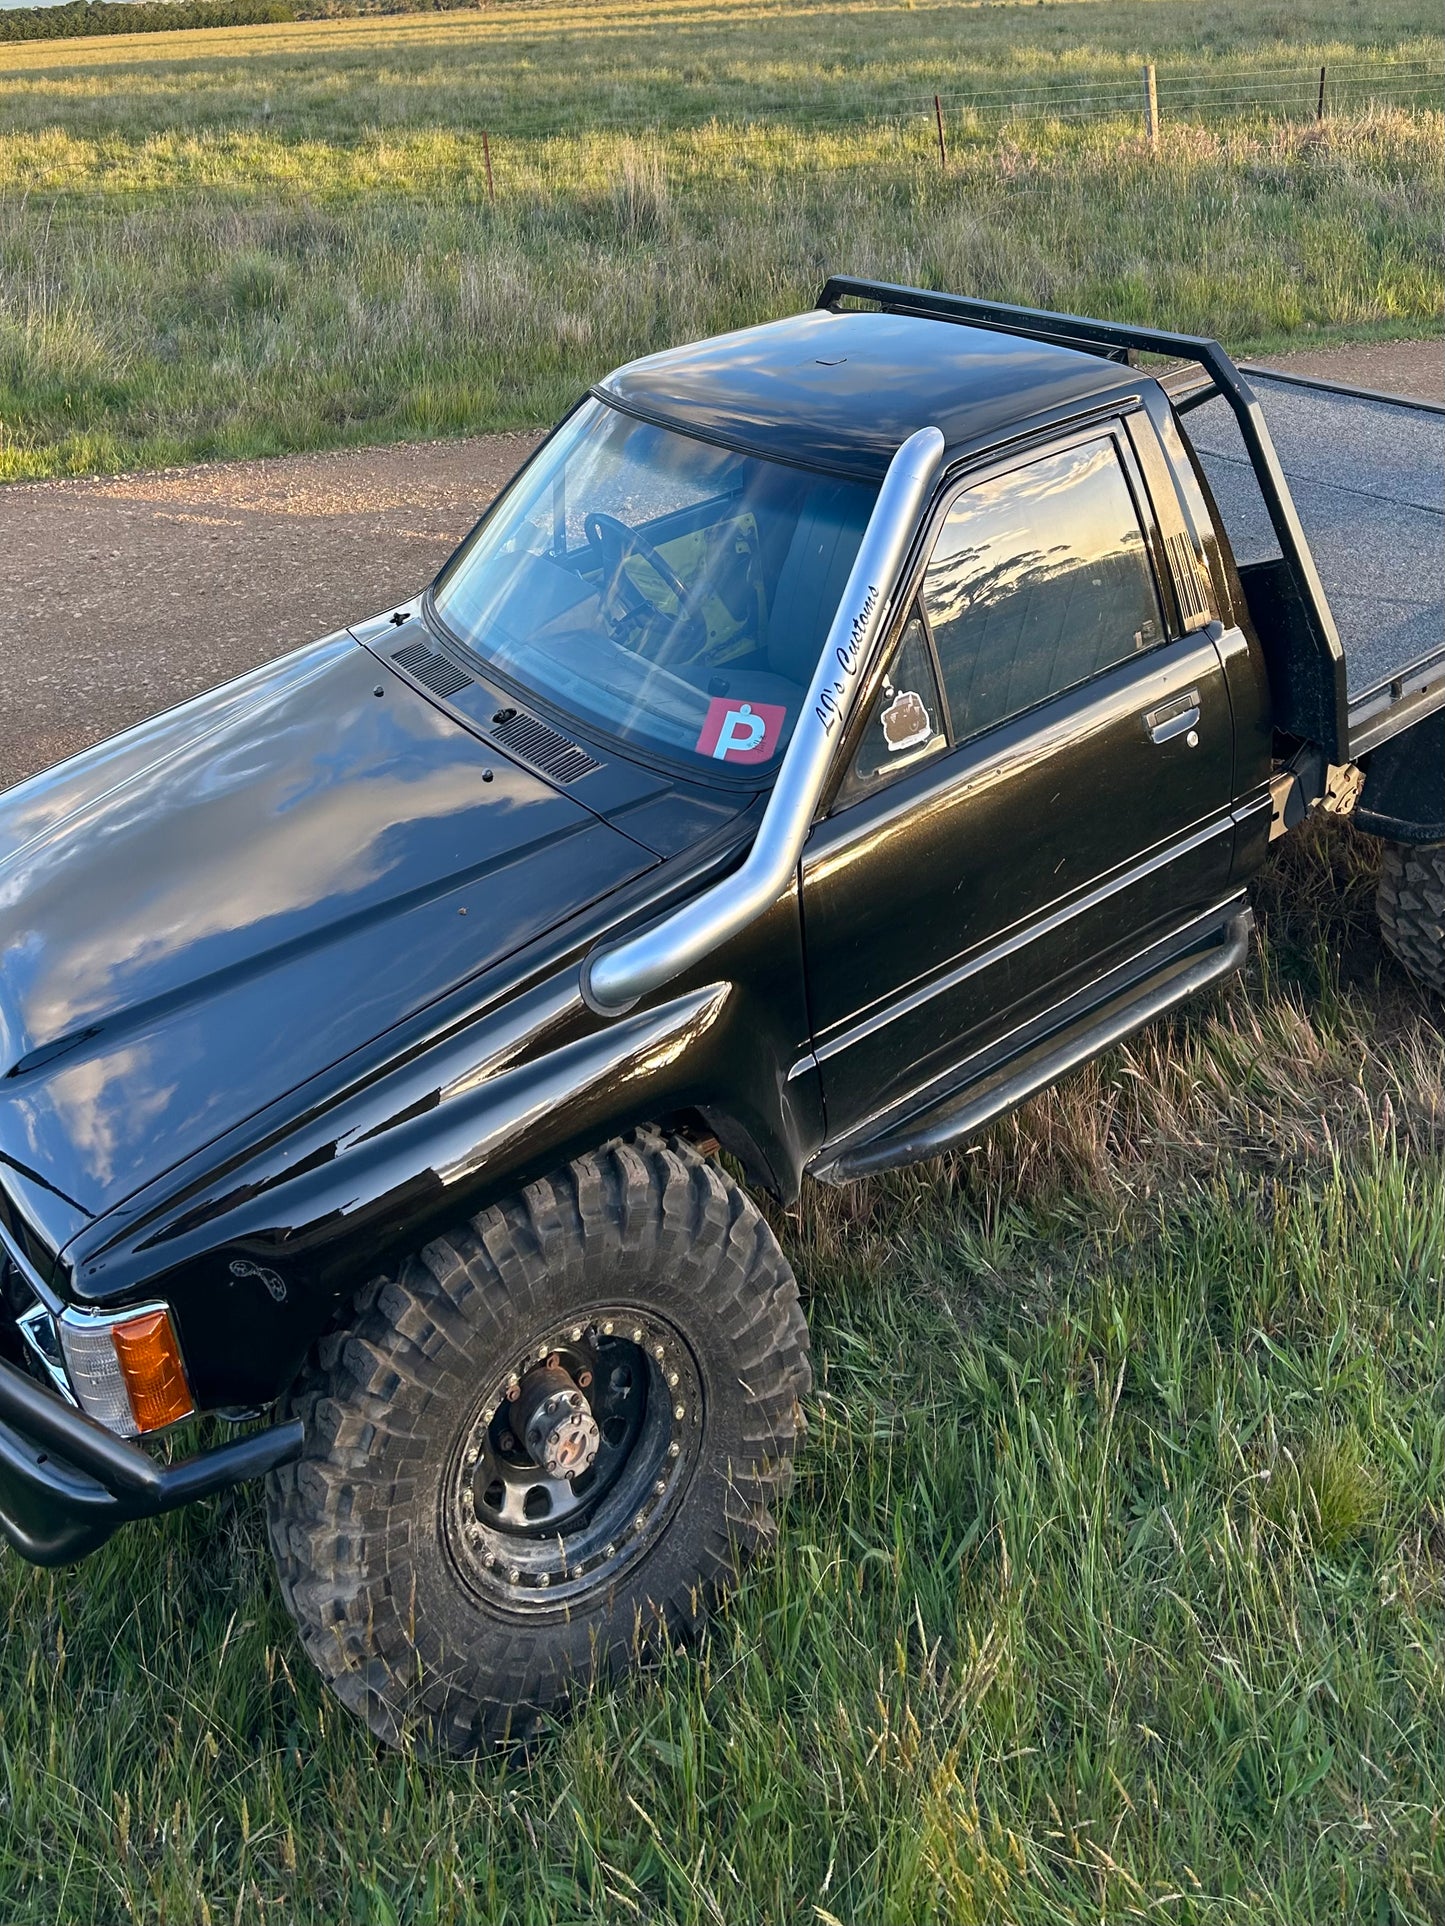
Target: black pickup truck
x=834, y=733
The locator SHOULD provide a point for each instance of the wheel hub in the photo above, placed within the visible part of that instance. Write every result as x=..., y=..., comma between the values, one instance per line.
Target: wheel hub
x=578, y=1453
x=555, y=1422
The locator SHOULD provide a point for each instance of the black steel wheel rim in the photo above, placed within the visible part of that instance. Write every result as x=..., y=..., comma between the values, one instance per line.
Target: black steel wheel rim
x=531, y=1542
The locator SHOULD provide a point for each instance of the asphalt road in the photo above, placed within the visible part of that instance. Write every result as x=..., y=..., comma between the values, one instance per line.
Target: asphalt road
x=120, y=597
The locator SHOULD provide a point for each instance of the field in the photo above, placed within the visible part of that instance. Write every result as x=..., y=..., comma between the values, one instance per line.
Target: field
x=1113, y=1585
x=275, y=238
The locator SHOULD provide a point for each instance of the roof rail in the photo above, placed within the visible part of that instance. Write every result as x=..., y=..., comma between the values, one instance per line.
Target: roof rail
x=1315, y=704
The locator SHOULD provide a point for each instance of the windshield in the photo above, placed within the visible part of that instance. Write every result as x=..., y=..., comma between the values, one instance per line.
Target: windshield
x=661, y=589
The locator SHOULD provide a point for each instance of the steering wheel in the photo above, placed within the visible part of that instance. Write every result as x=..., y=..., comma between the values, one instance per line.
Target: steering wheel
x=615, y=544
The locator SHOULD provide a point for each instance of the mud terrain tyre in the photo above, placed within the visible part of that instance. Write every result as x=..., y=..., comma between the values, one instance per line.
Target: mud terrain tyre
x=452, y=1592
x=1411, y=904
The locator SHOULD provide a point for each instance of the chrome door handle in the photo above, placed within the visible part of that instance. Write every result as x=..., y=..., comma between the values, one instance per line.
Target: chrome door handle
x=1173, y=718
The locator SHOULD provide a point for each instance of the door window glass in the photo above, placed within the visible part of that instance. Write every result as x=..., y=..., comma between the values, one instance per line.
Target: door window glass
x=1040, y=579
x=905, y=722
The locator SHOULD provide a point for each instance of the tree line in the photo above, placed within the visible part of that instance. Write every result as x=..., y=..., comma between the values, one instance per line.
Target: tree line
x=77, y=18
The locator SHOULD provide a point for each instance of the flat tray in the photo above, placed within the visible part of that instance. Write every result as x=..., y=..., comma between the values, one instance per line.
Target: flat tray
x=1367, y=473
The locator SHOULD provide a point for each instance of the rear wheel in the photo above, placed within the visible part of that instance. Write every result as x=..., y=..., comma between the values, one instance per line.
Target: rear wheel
x=1411, y=903
x=541, y=1446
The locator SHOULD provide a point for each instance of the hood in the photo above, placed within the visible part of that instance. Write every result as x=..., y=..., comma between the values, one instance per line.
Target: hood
x=199, y=916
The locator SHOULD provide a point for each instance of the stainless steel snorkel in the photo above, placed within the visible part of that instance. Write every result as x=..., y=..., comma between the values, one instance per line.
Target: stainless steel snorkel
x=614, y=977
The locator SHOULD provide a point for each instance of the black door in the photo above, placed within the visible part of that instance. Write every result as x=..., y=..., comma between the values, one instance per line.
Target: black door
x=1043, y=781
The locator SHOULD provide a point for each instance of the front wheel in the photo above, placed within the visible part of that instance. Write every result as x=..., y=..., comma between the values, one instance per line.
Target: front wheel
x=541, y=1446
x=1411, y=904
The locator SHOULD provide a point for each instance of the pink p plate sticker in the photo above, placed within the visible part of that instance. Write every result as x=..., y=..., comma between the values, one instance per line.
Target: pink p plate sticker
x=735, y=731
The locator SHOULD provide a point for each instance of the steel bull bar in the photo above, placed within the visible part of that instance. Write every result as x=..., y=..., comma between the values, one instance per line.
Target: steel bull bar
x=66, y=1483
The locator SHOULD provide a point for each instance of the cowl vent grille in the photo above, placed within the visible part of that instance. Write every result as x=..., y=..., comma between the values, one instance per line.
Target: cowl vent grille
x=541, y=745
x=443, y=678
x=527, y=737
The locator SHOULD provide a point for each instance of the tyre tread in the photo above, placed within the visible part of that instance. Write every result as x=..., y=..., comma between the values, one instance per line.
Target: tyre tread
x=343, y=1549
x=1410, y=900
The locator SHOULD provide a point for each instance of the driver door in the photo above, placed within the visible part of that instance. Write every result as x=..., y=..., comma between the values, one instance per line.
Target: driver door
x=1040, y=783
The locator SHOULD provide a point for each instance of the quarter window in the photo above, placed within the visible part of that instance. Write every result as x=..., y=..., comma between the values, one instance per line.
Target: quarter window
x=1039, y=580
x=905, y=724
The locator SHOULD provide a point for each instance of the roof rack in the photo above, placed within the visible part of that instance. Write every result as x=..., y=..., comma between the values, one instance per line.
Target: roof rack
x=1316, y=704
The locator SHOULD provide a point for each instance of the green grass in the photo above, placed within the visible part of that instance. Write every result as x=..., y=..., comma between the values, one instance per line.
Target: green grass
x=1113, y=1586
x=277, y=238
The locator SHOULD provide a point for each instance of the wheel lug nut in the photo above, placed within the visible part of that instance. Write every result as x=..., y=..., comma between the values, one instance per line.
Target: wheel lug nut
x=672, y=1379
x=544, y=1581
x=607, y=1328
x=611, y=1552
x=639, y=1523
x=674, y=1450
x=657, y=1350
x=660, y=1486
x=576, y=1334
x=637, y=1337
x=679, y=1411
x=514, y=1577
x=514, y=1391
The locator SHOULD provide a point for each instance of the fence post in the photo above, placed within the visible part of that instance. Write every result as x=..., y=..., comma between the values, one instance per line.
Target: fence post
x=1320, y=104
x=942, y=143
x=487, y=157
x=1151, y=108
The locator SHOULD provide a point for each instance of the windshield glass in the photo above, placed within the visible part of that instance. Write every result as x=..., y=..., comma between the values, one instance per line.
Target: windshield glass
x=664, y=590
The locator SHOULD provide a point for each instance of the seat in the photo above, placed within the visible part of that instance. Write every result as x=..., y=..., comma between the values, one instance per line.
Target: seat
x=811, y=581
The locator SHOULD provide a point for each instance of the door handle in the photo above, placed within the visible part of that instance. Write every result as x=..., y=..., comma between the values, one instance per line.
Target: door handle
x=1173, y=718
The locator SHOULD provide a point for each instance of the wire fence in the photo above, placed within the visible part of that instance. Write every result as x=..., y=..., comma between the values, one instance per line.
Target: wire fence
x=1147, y=100
x=1285, y=92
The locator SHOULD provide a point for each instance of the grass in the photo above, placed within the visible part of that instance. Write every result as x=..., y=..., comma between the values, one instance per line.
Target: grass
x=1113, y=1586
x=277, y=238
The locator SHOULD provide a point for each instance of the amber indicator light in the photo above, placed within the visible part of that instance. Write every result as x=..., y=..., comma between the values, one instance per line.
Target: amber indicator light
x=150, y=1363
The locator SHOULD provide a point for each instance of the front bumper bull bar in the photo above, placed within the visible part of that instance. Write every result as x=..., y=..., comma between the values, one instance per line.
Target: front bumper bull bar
x=66, y=1483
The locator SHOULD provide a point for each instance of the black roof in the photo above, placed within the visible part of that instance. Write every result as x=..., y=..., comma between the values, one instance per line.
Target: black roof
x=844, y=390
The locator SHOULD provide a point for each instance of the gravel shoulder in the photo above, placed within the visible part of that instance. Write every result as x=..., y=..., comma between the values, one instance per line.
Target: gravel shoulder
x=123, y=595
